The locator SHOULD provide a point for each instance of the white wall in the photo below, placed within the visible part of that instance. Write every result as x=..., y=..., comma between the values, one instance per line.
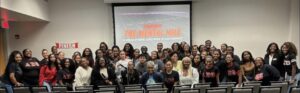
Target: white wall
x=34, y=8
x=87, y=23
x=294, y=25
x=246, y=24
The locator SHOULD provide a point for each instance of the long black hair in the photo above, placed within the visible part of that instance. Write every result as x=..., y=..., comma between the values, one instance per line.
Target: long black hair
x=12, y=56
x=276, y=45
x=189, y=50
x=219, y=51
x=130, y=51
x=96, y=54
x=194, y=62
x=250, y=59
x=179, y=47
x=50, y=63
x=106, y=47
x=72, y=66
x=292, y=49
x=97, y=65
x=12, y=59
x=115, y=46
x=172, y=54
x=62, y=63
x=89, y=56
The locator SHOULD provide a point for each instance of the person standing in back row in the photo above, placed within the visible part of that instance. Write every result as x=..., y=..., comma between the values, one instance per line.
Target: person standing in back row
x=45, y=57
x=275, y=58
x=160, y=47
x=289, y=51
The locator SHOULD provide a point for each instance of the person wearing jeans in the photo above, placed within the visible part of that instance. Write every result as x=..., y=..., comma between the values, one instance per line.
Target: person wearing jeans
x=48, y=73
x=289, y=51
x=13, y=72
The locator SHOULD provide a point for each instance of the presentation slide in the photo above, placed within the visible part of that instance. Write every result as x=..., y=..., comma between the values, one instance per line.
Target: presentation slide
x=150, y=24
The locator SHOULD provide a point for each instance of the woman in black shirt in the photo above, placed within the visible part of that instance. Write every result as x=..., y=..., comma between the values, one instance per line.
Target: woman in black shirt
x=102, y=75
x=290, y=63
x=210, y=73
x=275, y=58
x=13, y=73
x=232, y=70
x=198, y=65
x=219, y=63
x=104, y=48
x=65, y=76
x=170, y=77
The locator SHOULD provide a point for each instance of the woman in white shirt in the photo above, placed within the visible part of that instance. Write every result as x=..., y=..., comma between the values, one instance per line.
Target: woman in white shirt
x=188, y=74
x=122, y=64
x=83, y=74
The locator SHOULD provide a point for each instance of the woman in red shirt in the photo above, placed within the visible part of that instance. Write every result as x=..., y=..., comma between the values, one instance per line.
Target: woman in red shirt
x=48, y=73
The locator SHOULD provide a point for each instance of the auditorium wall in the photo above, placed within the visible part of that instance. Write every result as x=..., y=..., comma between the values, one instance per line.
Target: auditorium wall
x=35, y=8
x=245, y=24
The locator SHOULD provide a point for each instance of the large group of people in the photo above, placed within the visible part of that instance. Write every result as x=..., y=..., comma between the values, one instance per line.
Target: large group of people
x=181, y=64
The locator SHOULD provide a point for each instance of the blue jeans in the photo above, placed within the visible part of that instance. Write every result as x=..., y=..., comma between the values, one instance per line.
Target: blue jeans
x=9, y=88
x=297, y=79
x=47, y=85
x=296, y=83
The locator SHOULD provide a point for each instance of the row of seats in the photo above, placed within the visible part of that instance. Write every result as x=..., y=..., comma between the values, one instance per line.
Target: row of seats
x=226, y=87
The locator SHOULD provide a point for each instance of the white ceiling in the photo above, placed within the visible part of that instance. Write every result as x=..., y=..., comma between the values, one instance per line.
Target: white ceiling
x=134, y=1
x=16, y=16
